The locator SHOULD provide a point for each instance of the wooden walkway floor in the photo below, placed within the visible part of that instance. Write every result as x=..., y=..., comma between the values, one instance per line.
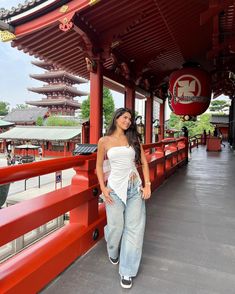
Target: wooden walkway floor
x=190, y=237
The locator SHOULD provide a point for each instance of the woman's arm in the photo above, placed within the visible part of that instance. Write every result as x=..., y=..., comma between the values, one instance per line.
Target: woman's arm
x=99, y=170
x=147, y=184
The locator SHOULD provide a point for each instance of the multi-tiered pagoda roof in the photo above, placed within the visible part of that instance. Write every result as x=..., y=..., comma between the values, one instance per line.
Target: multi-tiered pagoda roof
x=59, y=90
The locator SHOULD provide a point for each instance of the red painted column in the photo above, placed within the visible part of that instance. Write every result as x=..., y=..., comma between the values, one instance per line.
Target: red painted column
x=162, y=120
x=148, y=120
x=4, y=145
x=96, y=103
x=65, y=148
x=129, y=98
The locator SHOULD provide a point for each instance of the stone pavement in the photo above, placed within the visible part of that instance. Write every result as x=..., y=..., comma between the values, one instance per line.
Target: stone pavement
x=17, y=190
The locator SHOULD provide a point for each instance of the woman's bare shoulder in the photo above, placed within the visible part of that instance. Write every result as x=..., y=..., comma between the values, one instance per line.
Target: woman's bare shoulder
x=104, y=140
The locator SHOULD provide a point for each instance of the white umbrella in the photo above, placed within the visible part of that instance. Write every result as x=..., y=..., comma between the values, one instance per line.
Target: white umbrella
x=27, y=146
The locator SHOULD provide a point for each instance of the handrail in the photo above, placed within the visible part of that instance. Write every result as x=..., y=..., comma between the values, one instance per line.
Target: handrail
x=30, y=170
x=51, y=255
x=195, y=140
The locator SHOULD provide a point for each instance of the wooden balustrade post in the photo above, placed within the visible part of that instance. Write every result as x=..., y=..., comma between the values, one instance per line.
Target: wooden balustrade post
x=85, y=177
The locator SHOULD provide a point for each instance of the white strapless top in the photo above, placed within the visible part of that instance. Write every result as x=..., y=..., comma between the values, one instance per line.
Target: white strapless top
x=122, y=163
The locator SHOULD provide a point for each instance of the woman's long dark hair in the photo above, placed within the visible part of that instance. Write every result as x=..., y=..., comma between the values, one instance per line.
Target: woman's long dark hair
x=133, y=137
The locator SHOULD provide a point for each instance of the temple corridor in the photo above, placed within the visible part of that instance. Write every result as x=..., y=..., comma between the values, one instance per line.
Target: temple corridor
x=189, y=244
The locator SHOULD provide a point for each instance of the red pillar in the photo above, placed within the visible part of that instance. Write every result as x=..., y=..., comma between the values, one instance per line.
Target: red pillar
x=4, y=145
x=162, y=120
x=65, y=148
x=148, y=120
x=96, y=103
x=129, y=98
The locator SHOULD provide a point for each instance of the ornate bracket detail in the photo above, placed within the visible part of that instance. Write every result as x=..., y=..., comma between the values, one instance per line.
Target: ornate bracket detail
x=125, y=70
x=91, y=65
x=6, y=36
x=66, y=25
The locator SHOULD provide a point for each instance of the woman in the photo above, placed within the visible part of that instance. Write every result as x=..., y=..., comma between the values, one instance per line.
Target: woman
x=124, y=195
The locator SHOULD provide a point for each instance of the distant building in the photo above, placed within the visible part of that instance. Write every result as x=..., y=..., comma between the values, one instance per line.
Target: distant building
x=59, y=90
x=55, y=141
x=27, y=116
x=4, y=125
x=221, y=122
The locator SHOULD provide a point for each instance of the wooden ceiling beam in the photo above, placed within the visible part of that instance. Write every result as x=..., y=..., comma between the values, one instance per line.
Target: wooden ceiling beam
x=215, y=7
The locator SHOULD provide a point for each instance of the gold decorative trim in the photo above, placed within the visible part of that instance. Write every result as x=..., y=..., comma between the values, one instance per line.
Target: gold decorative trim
x=64, y=8
x=93, y=2
x=6, y=36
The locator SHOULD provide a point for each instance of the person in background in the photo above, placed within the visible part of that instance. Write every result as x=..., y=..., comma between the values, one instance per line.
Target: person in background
x=40, y=153
x=124, y=195
x=216, y=133
x=204, y=137
x=9, y=148
x=8, y=158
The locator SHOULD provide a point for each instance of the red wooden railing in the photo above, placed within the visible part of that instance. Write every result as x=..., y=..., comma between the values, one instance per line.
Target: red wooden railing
x=196, y=140
x=34, y=267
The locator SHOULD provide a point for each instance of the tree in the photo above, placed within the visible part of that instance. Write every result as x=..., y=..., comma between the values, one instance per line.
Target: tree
x=203, y=123
x=108, y=106
x=21, y=106
x=219, y=106
x=194, y=127
x=39, y=121
x=4, y=108
x=85, y=113
x=59, y=121
x=174, y=122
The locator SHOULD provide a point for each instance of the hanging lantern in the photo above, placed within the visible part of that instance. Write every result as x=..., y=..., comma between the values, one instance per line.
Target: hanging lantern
x=190, y=91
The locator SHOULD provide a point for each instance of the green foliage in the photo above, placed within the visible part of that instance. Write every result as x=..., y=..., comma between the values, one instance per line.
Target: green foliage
x=58, y=121
x=39, y=121
x=174, y=122
x=85, y=113
x=194, y=127
x=22, y=106
x=219, y=106
x=108, y=106
x=4, y=108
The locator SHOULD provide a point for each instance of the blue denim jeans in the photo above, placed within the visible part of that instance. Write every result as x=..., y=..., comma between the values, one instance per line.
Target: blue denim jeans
x=124, y=232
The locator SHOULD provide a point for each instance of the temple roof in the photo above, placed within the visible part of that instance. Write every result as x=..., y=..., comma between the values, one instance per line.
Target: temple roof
x=29, y=115
x=42, y=133
x=219, y=119
x=43, y=64
x=47, y=101
x=58, y=88
x=24, y=8
x=140, y=42
x=57, y=74
x=4, y=123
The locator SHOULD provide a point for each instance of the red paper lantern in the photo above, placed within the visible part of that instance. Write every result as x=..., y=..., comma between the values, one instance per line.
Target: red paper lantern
x=190, y=91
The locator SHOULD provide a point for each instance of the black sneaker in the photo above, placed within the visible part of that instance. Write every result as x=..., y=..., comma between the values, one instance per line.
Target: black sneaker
x=126, y=282
x=114, y=260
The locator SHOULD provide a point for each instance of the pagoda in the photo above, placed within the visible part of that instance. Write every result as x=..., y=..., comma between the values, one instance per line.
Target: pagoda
x=59, y=90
